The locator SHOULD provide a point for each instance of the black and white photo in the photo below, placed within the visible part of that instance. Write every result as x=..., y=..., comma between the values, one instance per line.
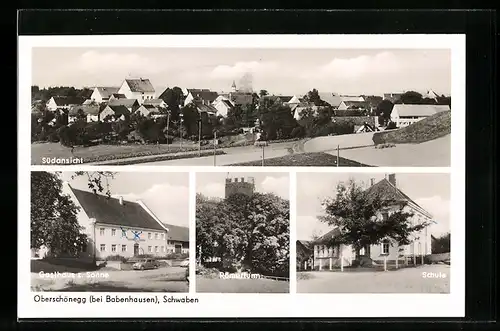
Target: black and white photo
x=109, y=232
x=242, y=232
x=373, y=233
x=241, y=107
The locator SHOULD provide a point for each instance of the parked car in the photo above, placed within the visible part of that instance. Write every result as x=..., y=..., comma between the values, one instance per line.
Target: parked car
x=184, y=263
x=146, y=264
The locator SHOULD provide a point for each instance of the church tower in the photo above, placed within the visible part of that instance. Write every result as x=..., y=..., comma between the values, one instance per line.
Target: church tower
x=233, y=87
x=240, y=185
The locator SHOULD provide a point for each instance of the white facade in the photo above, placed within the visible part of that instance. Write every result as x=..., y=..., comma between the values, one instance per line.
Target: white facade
x=404, y=115
x=139, y=96
x=222, y=107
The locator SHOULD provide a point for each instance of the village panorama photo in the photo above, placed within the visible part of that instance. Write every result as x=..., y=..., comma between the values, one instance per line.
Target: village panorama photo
x=242, y=233
x=373, y=233
x=109, y=232
x=188, y=106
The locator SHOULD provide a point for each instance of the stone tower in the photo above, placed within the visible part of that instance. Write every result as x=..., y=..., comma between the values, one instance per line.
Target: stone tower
x=240, y=185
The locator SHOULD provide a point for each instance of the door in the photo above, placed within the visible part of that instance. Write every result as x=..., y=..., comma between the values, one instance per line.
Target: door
x=178, y=249
x=136, y=249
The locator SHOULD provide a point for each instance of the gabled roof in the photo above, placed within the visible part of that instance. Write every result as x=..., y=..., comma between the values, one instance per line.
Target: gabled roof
x=419, y=110
x=331, y=98
x=203, y=94
x=123, y=102
x=155, y=102
x=227, y=103
x=66, y=101
x=385, y=190
x=306, y=243
x=327, y=237
x=109, y=211
x=285, y=98
x=352, y=98
x=87, y=109
x=150, y=108
x=205, y=108
x=119, y=110
x=356, y=104
x=118, y=96
x=140, y=85
x=241, y=98
x=177, y=233
x=106, y=92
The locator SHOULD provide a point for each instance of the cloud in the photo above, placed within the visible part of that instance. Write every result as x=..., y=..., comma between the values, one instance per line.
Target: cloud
x=277, y=185
x=168, y=202
x=215, y=190
x=440, y=210
x=240, y=68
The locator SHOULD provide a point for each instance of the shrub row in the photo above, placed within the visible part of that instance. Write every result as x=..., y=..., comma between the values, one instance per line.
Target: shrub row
x=164, y=157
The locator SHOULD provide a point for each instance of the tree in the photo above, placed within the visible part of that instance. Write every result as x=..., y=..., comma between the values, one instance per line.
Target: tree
x=357, y=215
x=384, y=110
x=173, y=97
x=441, y=244
x=414, y=98
x=313, y=96
x=263, y=93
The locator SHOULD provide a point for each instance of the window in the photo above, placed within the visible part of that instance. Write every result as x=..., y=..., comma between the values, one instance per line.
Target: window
x=150, y=249
x=103, y=248
x=162, y=236
x=101, y=231
x=124, y=248
x=163, y=249
x=113, y=232
x=113, y=248
x=385, y=248
x=149, y=235
x=156, y=236
x=385, y=216
x=156, y=249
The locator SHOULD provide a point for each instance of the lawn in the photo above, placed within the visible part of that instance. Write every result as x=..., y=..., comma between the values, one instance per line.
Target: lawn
x=218, y=285
x=114, y=152
x=430, y=128
x=304, y=160
x=406, y=280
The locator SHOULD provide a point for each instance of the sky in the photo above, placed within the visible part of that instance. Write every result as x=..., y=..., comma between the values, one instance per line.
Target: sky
x=430, y=191
x=212, y=184
x=286, y=72
x=166, y=194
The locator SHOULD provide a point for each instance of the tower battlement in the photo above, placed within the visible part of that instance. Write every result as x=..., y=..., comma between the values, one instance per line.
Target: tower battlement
x=241, y=185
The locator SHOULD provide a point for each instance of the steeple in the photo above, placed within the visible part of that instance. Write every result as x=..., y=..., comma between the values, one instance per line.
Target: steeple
x=233, y=87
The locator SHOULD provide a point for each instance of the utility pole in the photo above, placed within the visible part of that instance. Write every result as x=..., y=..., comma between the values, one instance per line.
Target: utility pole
x=215, y=146
x=199, y=137
x=338, y=155
x=168, y=134
x=181, y=121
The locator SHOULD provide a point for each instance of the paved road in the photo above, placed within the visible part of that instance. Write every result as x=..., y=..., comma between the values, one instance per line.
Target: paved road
x=234, y=155
x=408, y=280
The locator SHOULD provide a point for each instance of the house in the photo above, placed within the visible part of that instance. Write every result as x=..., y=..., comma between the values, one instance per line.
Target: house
x=304, y=253
x=159, y=103
x=366, y=127
x=140, y=89
x=177, y=239
x=403, y=115
x=297, y=109
x=203, y=96
x=393, y=96
x=64, y=102
x=131, y=104
x=114, y=113
x=352, y=98
x=90, y=111
x=332, y=99
x=102, y=94
x=347, y=105
x=328, y=256
x=223, y=106
x=205, y=108
x=148, y=110
x=115, y=96
x=285, y=99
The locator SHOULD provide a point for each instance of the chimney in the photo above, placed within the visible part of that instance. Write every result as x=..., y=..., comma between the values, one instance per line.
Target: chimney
x=121, y=200
x=372, y=181
x=392, y=179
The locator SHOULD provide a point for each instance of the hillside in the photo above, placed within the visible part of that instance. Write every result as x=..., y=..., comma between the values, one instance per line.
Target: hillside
x=433, y=127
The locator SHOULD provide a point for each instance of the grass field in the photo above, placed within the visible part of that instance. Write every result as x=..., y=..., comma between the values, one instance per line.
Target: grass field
x=304, y=160
x=218, y=285
x=430, y=128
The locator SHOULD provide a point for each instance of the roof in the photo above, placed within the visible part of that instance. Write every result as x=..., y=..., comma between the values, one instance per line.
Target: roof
x=241, y=98
x=155, y=102
x=227, y=103
x=419, y=110
x=106, y=92
x=122, y=102
x=64, y=101
x=285, y=98
x=87, y=109
x=327, y=237
x=205, y=108
x=87, y=102
x=118, y=96
x=331, y=98
x=177, y=233
x=109, y=211
x=150, y=108
x=386, y=190
x=351, y=98
x=203, y=94
x=140, y=85
x=306, y=243
x=119, y=109
x=356, y=104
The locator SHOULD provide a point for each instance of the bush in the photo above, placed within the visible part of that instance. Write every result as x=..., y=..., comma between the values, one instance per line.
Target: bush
x=391, y=126
x=177, y=256
x=116, y=258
